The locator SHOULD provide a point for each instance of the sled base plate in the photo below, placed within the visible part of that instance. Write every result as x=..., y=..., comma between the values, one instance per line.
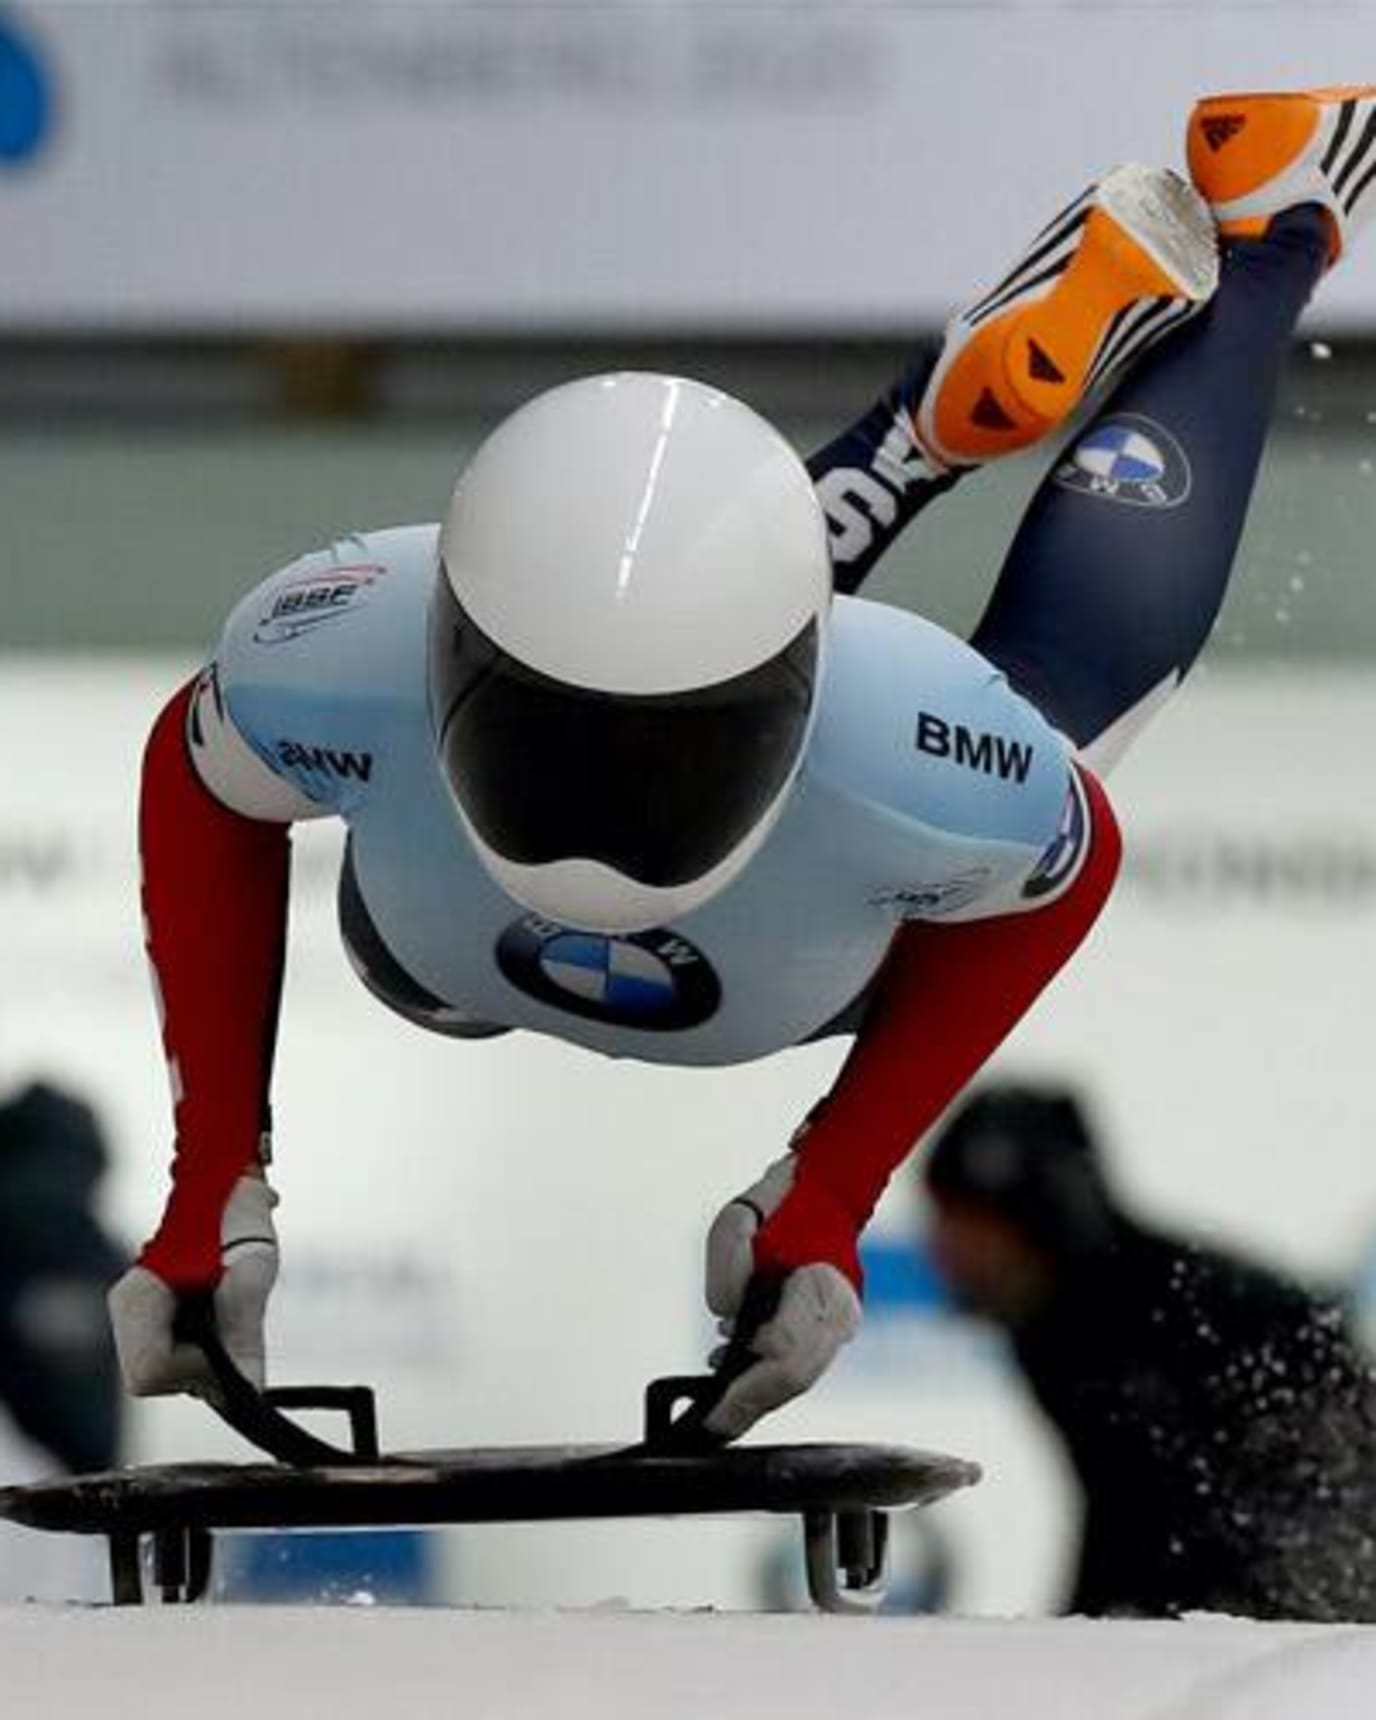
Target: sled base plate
x=842, y=1493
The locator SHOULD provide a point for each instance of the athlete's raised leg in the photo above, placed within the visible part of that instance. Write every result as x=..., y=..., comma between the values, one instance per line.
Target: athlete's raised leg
x=1118, y=570
x=1131, y=258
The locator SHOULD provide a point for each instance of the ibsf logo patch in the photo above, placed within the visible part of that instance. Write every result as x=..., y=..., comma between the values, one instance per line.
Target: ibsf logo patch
x=1128, y=459
x=655, y=981
x=302, y=605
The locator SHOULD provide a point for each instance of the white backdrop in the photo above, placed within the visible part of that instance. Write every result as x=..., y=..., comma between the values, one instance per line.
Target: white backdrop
x=504, y=1238
x=402, y=164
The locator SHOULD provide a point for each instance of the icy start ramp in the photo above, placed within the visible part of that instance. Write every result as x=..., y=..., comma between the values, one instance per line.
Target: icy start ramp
x=364, y=1664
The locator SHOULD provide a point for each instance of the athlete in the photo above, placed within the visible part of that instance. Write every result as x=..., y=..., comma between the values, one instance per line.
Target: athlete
x=624, y=759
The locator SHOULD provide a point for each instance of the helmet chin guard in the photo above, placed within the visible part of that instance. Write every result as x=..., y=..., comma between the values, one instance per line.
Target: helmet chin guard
x=625, y=643
x=592, y=897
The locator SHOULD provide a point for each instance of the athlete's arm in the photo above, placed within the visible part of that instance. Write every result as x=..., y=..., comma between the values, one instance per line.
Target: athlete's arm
x=947, y=998
x=949, y=994
x=215, y=911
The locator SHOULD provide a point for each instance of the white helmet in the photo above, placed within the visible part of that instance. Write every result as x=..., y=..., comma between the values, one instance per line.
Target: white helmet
x=625, y=644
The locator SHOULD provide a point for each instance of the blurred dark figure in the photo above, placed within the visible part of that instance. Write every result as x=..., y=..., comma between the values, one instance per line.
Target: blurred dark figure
x=58, y=1377
x=1221, y=1420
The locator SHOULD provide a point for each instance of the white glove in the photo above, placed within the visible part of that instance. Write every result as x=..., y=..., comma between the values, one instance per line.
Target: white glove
x=143, y=1307
x=818, y=1309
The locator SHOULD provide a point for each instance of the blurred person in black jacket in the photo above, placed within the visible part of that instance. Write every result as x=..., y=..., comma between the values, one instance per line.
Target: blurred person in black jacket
x=1221, y=1420
x=58, y=1376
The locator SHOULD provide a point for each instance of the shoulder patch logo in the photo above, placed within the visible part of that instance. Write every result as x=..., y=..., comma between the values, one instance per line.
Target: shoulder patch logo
x=301, y=605
x=1059, y=866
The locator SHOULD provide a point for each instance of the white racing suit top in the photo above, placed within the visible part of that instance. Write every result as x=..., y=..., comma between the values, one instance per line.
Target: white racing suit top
x=929, y=790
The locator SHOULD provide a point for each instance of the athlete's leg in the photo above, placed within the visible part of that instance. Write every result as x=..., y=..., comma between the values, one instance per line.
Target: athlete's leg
x=1118, y=571
x=1136, y=254
x=1120, y=565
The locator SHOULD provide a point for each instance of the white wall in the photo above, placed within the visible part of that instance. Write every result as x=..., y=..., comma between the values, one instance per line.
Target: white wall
x=504, y=1238
x=455, y=165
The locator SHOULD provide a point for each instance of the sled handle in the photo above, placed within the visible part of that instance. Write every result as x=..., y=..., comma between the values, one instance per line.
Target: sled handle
x=358, y=1403
x=665, y=1431
x=257, y=1416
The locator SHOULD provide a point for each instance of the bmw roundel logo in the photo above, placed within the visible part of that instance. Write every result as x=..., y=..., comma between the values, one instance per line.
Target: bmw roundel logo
x=1120, y=453
x=656, y=981
x=1131, y=459
x=1060, y=864
x=26, y=99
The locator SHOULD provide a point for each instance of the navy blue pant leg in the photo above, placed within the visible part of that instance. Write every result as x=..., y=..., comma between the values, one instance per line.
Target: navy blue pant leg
x=1118, y=570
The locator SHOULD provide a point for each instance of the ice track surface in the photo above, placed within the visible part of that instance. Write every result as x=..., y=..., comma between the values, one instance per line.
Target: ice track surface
x=360, y=1663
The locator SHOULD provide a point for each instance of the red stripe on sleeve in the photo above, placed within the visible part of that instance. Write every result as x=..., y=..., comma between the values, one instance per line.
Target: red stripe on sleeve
x=215, y=913
x=947, y=998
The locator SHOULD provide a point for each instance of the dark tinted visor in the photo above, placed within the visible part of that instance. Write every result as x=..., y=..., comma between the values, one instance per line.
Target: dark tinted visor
x=660, y=787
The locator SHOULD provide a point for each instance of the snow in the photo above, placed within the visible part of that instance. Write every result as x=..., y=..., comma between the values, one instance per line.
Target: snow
x=366, y=1663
